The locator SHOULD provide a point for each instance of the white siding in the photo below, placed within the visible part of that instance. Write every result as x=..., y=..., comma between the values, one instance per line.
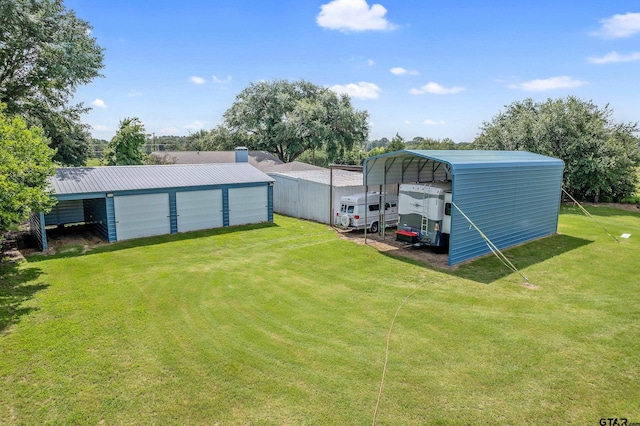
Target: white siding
x=248, y=205
x=141, y=215
x=199, y=210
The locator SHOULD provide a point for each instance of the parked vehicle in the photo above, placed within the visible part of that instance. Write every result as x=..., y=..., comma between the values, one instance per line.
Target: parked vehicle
x=425, y=214
x=352, y=211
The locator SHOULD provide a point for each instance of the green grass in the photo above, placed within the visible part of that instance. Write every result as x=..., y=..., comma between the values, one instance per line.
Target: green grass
x=286, y=324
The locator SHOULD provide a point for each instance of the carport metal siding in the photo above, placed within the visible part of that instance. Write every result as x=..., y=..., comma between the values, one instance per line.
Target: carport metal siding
x=513, y=197
x=511, y=205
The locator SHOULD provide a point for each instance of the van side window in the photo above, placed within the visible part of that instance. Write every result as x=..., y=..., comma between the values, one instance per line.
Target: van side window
x=447, y=209
x=374, y=207
x=388, y=206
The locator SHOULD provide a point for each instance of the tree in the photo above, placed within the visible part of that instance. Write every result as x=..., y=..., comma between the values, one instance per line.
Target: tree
x=397, y=144
x=289, y=118
x=25, y=169
x=46, y=52
x=126, y=146
x=600, y=155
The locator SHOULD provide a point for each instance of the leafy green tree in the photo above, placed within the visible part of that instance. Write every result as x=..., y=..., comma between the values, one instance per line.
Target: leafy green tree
x=46, y=52
x=397, y=144
x=289, y=118
x=600, y=155
x=25, y=169
x=126, y=147
x=97, y=147
x=216, y=139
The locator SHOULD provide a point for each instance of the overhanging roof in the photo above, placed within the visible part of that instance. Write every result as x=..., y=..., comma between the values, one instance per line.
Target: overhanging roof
x=85, y=180
x=393, y=167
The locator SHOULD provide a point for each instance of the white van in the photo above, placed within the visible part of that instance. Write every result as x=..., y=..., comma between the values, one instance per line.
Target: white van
x=352, y=211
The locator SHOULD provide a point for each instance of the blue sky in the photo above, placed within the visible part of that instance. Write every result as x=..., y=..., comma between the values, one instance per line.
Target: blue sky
x=420, y=67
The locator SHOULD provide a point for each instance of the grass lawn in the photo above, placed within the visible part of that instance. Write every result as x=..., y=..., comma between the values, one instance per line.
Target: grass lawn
x=287, y=323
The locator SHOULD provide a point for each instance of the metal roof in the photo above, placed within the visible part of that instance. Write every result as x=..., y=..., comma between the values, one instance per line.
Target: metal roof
x=341, y=178
x=405, y=165
x=84, y=180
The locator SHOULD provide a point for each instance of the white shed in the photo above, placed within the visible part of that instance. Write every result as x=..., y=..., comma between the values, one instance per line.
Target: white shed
x=305, y=194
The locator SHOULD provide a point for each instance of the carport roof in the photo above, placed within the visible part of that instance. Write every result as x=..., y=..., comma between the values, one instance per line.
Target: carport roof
x=457, y=159
x=84, y=180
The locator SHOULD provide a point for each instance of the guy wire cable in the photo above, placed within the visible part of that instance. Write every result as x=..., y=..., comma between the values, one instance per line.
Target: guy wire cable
x=496, y=251
x=589, y=215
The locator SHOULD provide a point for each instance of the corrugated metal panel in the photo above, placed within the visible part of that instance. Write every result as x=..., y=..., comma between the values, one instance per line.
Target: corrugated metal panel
x=64, y=212
x=511, y=205
x=285, y=195
x=36, y=226
x=111, y=219
x=95, y=212
x=78, y=180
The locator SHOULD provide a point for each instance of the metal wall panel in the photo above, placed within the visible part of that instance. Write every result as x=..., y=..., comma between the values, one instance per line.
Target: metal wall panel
x=248, y=205
x=199, y=210
x=285, y=196
x=36, y=226
x=142, y=215
x=95, y=213
x=64, y=212
x=511, y=205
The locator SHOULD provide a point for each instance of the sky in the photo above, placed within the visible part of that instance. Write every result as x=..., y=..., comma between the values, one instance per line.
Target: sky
x=434, y=69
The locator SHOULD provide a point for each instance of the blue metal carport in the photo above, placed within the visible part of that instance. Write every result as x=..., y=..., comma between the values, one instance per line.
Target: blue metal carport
x=512, y=196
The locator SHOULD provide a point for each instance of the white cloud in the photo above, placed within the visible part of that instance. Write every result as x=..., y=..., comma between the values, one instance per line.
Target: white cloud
x=353, y=15
x=196, y=125
x=402, y=71
x=100, y=128
x=619, y=26
x=614, y=57
x=221, y=81
x=197, y=80
x=562, y=82
x=370, y=62
x=361, y=90
x=99, y=103
x=407, y=121
x=133, y=94
x=434, y=122
x=436, y=89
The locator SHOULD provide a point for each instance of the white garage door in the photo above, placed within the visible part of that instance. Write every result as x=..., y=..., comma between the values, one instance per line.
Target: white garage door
x=141, y=215
x=248, y=205
x=199, y=210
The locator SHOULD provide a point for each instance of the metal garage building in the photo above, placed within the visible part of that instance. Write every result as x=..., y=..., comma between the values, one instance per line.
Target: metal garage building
x=125, y=202
x=512, y=196
x=304, y=194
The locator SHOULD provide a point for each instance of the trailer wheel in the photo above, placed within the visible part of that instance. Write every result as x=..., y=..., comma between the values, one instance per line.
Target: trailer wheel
x=374, y=227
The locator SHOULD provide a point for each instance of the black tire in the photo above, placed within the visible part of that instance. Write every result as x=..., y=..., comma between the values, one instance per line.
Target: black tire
x=374, y=228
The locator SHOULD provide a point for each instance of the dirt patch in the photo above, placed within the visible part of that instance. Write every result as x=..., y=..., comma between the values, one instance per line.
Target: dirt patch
x=390, y=246
x=78, y=239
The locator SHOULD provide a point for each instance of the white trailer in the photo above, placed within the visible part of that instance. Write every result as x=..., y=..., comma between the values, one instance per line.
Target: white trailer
x=351, y=213
x=425, y=213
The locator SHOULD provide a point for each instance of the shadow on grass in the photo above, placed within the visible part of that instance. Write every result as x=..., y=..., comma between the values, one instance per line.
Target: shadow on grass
x=14, y=291
x=489, y=268
x=76, y=250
